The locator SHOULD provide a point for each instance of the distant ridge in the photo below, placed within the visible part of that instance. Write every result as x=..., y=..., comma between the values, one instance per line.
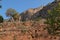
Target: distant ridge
x=33, y=13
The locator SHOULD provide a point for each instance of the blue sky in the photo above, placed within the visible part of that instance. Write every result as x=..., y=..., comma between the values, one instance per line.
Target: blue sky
x=21, y=5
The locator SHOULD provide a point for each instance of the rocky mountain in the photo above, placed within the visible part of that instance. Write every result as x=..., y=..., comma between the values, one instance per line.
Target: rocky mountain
x=34, y=13
x=27, y=15
x=44, y=12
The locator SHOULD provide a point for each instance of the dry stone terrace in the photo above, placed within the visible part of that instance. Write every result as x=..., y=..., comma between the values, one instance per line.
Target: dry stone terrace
x=30, y=30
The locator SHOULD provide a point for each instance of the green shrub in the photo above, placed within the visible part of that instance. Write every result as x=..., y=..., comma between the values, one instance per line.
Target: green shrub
x=1, y=19
x=53, y=21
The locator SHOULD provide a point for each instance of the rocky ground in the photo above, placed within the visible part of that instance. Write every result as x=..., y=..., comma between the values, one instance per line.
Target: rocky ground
x=29, y=30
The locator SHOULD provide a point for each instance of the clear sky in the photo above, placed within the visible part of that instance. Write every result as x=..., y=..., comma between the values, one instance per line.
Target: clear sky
x=21, y=5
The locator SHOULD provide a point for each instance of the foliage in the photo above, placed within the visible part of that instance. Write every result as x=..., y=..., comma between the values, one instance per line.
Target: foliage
x=1, y=19
x=23, y=31
x=16, y=16
x=37, y=19
x=12, y=13
x=53, y=21
x=14, y=37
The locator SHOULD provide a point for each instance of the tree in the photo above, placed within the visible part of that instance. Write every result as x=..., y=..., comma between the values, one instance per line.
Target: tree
x=16, y=16
x=1, y=19
x=53, y=21
x=0, y=6
x=12, y=14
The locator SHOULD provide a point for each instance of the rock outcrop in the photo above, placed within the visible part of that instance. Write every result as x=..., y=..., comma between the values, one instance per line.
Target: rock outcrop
x=34, y=13
x=27, y=15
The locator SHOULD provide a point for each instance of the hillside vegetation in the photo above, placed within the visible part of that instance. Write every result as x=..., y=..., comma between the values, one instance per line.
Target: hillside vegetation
x=41, y=23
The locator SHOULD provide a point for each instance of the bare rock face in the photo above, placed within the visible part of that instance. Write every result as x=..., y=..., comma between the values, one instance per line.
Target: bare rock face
x=34, y=13
x=27, y=15
x=44, y=11
x=57, y=0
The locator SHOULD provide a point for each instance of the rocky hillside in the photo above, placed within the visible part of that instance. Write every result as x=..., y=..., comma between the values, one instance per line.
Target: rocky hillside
x=27, y=15
x=34, y=13
x=29, y=30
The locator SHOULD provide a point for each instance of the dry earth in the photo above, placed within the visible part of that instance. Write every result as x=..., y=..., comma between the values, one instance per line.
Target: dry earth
x=29, y=30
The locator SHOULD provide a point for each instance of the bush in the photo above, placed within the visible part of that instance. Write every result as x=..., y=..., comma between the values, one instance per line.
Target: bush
x=1, y=19
x=53, y=21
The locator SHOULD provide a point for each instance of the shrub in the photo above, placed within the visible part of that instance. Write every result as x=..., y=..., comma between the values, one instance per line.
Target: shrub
x=53, y=21
x=1, y=19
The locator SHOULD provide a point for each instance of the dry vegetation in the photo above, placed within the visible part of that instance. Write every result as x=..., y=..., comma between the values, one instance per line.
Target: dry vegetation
x=23, y=27
x=30, y=30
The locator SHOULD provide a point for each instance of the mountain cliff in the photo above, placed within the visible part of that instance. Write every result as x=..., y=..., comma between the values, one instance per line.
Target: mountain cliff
x=34, y=13
x=27, y=15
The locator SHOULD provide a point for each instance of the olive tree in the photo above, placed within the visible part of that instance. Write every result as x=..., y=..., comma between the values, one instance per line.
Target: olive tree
x=12, y=13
